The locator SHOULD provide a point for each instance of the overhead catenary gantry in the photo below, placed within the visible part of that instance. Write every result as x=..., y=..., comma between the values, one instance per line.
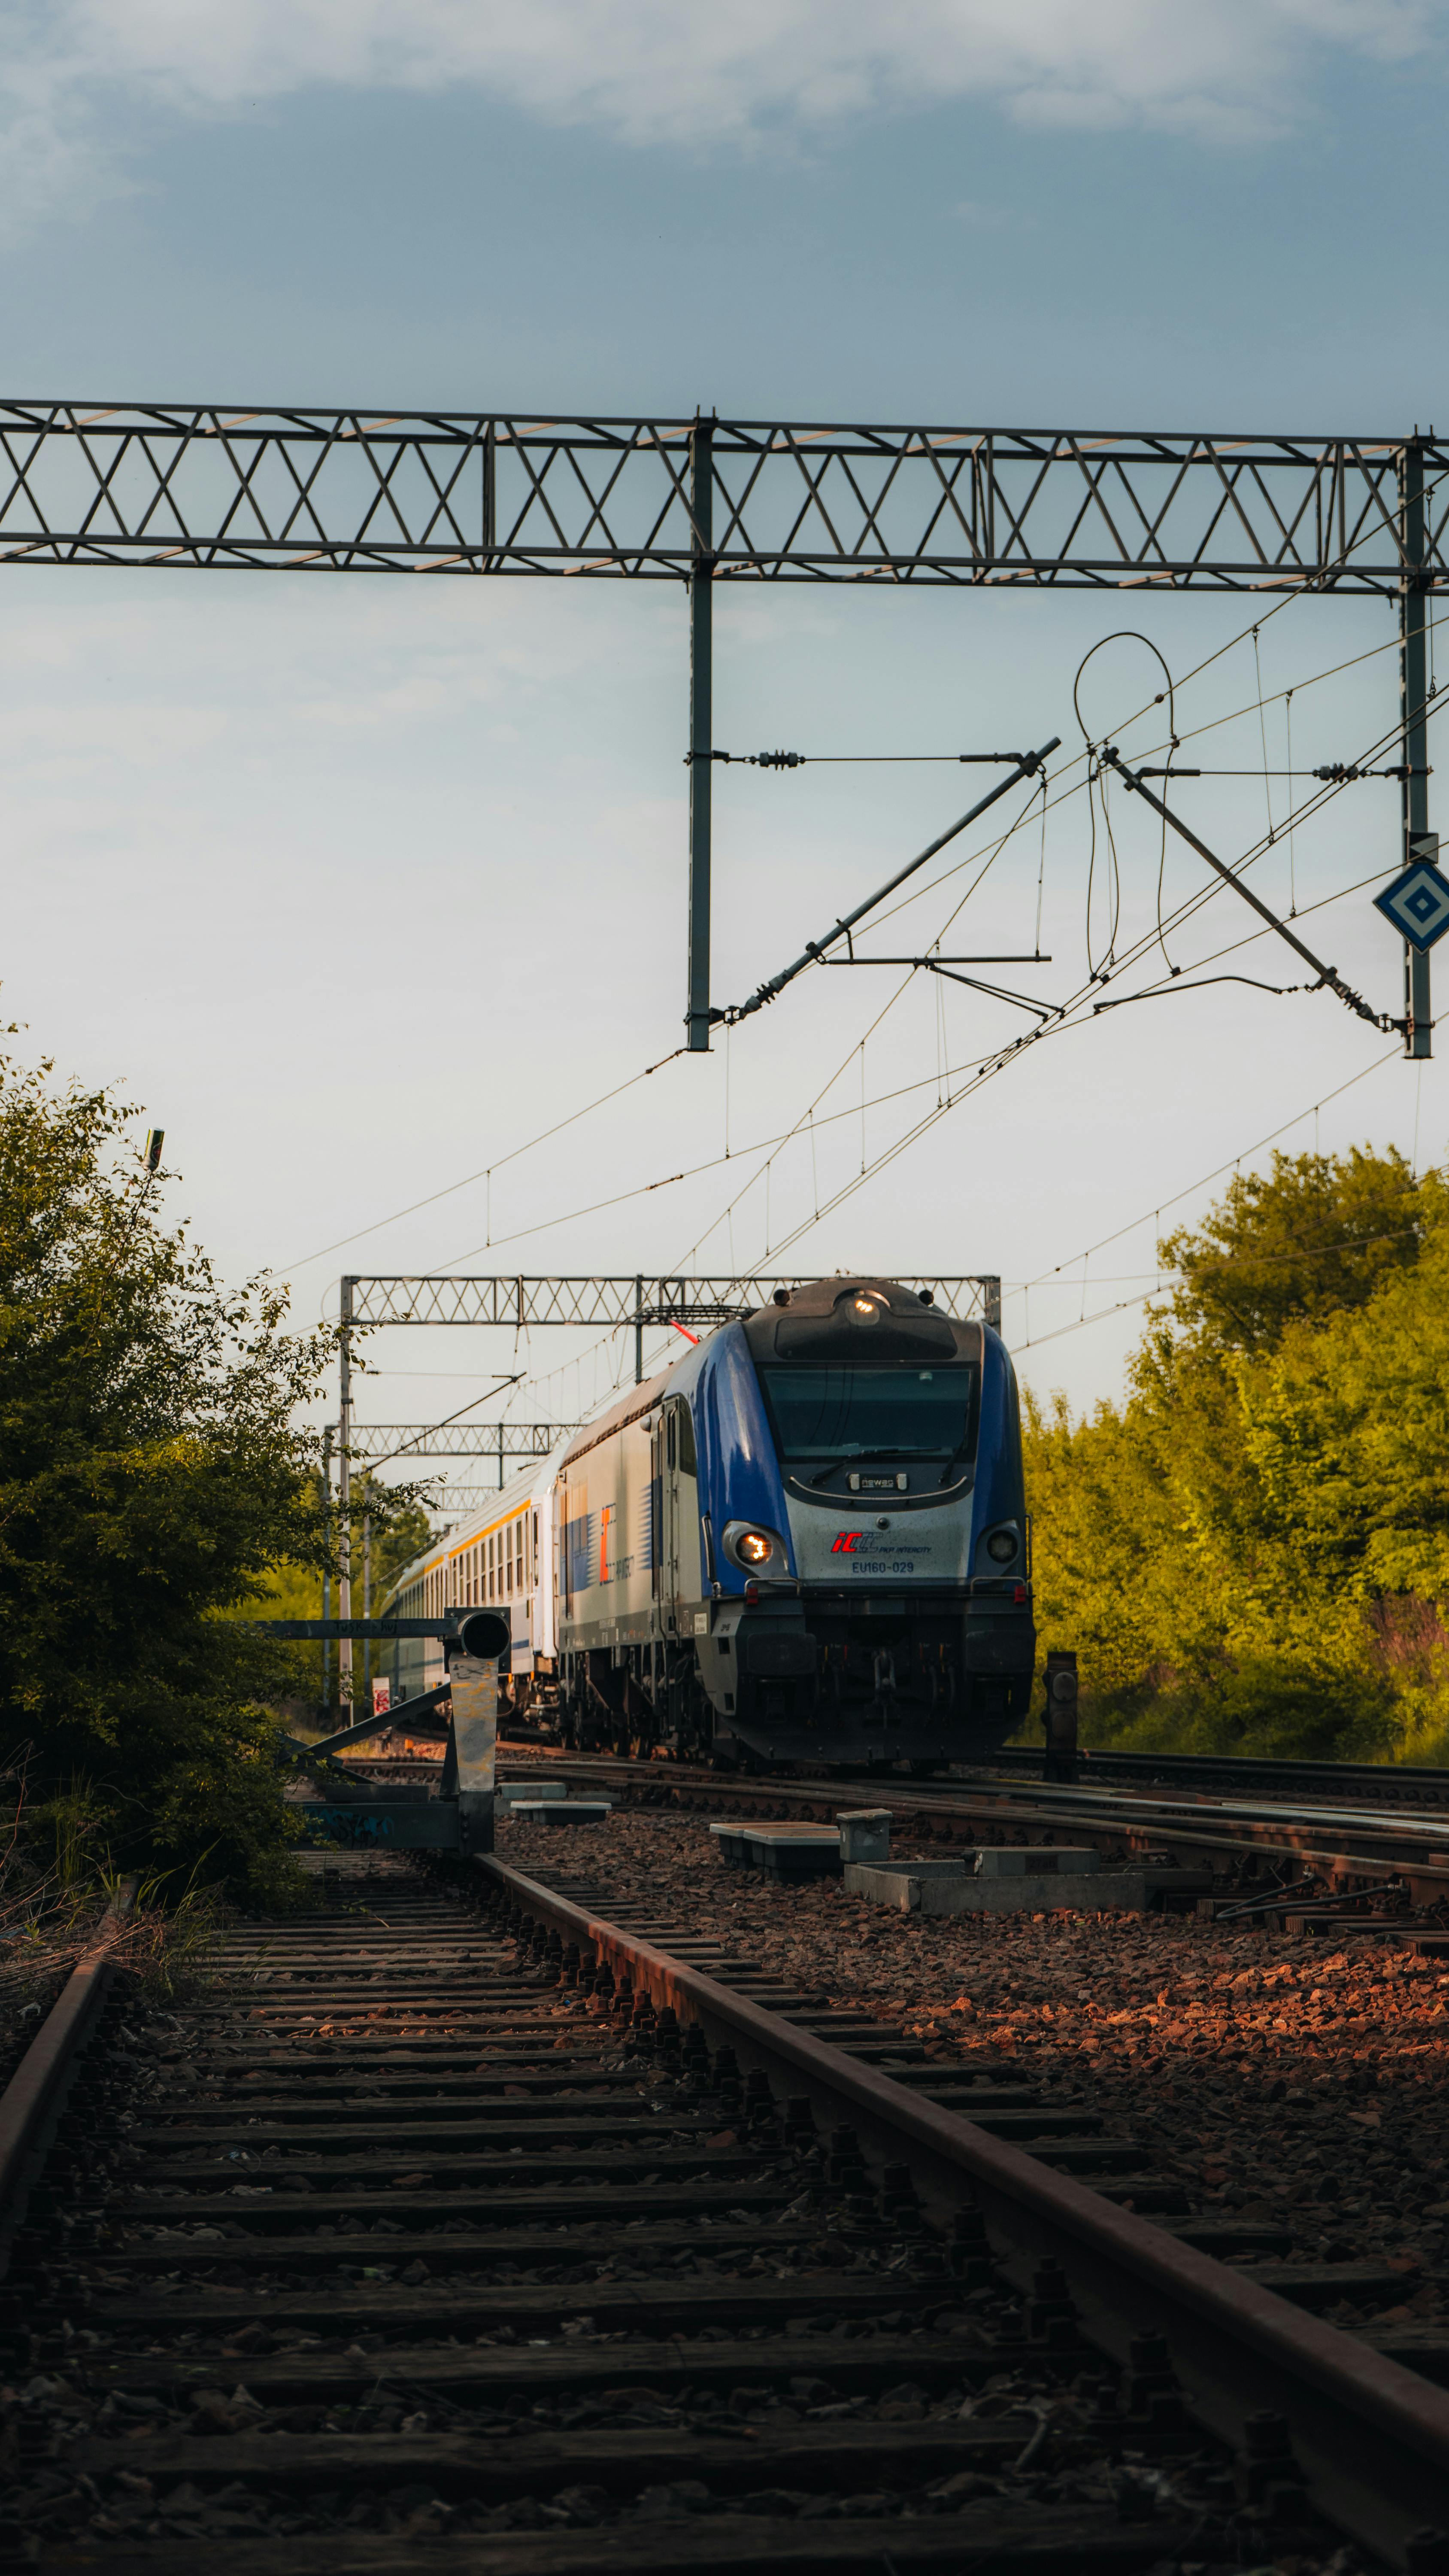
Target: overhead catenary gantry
x=701, y=500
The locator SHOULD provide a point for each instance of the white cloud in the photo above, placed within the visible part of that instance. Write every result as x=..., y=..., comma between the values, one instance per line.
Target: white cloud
x=681, y=71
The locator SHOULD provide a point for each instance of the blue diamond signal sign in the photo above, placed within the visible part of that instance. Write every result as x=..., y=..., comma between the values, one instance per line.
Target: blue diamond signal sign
x=1417, y=903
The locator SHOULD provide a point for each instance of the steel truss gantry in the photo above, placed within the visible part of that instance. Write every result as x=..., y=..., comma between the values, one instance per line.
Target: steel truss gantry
x=199, y=487
x=375, y=1443
x=521, y=1304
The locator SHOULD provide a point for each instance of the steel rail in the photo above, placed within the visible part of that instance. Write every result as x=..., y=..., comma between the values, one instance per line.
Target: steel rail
x=34, y=2089
x=1371, y=2437
x=1391, y=1781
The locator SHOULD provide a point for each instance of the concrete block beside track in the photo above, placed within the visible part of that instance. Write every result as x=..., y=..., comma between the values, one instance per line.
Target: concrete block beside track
x=952, y=1887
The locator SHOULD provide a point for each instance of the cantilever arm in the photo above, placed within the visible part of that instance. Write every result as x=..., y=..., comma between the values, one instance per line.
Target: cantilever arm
x=1026, y=766
x=1327, y=975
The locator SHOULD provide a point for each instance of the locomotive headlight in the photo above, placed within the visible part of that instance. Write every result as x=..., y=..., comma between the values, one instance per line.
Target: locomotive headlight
x=1002, y=1546
x=753, y=1549
x=864, y=1310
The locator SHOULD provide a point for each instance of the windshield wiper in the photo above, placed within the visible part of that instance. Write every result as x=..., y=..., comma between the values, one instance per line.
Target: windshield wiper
x=899, y=1452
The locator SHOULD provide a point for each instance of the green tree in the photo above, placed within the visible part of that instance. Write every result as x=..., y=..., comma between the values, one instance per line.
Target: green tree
x=1315, y=1233
x=1250, y=1551
x=151, y=1476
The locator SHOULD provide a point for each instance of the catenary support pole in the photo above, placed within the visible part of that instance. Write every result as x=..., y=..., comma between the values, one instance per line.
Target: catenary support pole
x=367, y=1599
x=327, y=1577
x=1414, y=699
x=701, y=727
x=639, y=1333
x=344, y=1488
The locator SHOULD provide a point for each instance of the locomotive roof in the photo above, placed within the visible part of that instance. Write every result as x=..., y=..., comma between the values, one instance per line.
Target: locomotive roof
x=824, y=1322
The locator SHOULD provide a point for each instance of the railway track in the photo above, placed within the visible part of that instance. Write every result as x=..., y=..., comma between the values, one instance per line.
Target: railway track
x=1386, y=1784
x=480, y=2220
x=1257, y=1839
x=1292, y=1784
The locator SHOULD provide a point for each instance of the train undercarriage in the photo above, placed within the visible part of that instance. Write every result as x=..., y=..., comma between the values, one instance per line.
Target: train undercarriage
x=847, y=1692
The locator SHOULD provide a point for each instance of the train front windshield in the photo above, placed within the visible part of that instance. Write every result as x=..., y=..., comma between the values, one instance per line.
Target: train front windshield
x=823, y=1414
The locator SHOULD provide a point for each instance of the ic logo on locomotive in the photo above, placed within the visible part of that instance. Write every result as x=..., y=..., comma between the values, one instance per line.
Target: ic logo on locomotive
x=846, y=1542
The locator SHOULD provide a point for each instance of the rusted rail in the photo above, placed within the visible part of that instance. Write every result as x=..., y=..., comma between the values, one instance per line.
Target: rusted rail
x=30, y=2097
x=514, y=2218
x=1371, y=2437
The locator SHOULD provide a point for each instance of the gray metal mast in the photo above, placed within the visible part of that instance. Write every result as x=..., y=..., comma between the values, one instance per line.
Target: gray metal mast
x=1414, y=701
x=701, y=726
x=344, y=1487
x=327, y=1577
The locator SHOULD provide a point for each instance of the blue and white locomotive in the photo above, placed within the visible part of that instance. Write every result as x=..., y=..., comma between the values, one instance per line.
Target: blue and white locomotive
x=805, y=1542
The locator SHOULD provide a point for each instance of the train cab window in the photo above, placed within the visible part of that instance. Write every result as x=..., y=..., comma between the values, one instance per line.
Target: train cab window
x=682, y=1433
x=827, y=1415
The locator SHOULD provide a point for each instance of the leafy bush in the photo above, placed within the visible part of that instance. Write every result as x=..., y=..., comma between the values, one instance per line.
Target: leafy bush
x=151, y=1475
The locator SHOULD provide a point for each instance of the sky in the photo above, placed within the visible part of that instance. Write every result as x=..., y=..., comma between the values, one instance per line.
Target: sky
x=357, y=886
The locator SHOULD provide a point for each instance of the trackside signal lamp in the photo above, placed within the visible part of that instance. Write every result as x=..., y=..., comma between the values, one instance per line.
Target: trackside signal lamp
x=483, y=1634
